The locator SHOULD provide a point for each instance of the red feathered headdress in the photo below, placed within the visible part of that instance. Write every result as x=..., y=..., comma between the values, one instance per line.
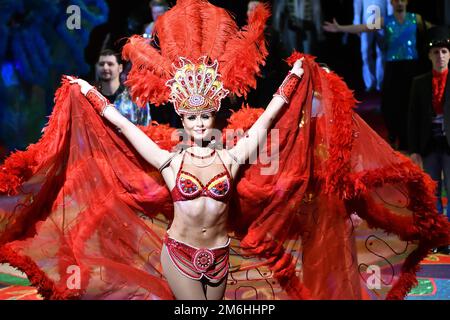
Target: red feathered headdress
x=193, y=29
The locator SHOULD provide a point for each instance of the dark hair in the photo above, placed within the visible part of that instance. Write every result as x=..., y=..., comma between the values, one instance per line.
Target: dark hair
x=213, y=114
x=160, y=3
x=109, y=52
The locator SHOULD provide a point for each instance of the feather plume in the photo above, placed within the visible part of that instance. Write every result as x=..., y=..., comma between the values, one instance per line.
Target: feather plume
x=162, y=134
x=192, y=29
x=143, y=55
x=180, y=30
x=145, y=87
x=217, y=28
x=244, y=53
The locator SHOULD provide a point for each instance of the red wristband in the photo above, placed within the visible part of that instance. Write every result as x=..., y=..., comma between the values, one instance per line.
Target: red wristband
x=288, y=87
x=98, y=101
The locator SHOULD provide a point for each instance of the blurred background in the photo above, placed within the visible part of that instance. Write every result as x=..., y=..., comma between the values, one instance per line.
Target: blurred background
x=41, y=40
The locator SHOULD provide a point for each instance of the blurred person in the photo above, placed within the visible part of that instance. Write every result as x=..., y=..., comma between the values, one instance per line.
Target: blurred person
x=108, y=69
x=272, y=72
x=158, y=8
x=372, y=71
x=429, y=116
x=299, y=22
x=404, y=34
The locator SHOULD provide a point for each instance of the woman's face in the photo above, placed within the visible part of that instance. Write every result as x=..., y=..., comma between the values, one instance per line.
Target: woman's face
x=199, y=127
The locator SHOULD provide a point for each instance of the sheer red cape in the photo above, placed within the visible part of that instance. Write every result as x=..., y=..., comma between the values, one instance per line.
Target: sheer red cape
x=83, y=215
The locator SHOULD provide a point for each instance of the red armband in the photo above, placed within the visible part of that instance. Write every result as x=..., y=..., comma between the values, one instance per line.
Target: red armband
x=98, y=101
x=288, y=87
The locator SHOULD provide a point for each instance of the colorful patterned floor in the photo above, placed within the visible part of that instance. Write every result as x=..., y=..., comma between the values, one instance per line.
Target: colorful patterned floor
x=434, y=282
x=434, y=279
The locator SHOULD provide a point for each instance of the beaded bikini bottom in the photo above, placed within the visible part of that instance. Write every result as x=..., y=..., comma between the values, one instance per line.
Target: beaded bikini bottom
x=195, y=263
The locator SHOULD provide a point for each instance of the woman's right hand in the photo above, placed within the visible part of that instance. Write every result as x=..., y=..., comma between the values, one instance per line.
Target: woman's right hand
x=332, y=26
x=84, y=85
x=96, y=99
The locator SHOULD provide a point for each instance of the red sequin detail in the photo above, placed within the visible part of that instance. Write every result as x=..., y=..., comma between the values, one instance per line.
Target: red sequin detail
x=288, y=87
x=183, y=192
x=97, y=100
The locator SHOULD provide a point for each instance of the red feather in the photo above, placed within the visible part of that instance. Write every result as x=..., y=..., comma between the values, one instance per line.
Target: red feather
x=145, y=87
x=244, y=53
x=218, y=28
x=240, y=121
x=192, y=29
x=163, y=135
x=143, y=55
x=180, y=30
x=149, y=72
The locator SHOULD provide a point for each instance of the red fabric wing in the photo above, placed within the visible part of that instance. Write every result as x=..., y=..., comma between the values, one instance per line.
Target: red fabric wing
x=76, y=224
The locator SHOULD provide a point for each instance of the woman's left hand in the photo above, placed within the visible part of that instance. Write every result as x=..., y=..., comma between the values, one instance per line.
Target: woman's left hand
x=84, y=85
x=298, y=68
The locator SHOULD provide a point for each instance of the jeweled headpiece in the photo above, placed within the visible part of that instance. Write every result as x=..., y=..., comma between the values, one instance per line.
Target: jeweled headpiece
x=196, y=87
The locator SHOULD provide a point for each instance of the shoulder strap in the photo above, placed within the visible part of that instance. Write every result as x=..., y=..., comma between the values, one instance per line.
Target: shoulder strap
x=167, y=162
x=223, y=163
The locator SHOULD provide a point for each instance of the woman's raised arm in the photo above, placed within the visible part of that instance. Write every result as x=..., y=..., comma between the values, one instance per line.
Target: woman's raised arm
x=148, y=149
x=257, y=134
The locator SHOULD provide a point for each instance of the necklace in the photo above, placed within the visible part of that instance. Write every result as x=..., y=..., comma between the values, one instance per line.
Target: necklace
x=205, y=165
x=201, y=157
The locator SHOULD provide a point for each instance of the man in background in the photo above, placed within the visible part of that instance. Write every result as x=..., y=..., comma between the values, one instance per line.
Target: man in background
x=404, y=35
x=107, y=70
x=299, y=22
x=429, y=116
x=158, y=8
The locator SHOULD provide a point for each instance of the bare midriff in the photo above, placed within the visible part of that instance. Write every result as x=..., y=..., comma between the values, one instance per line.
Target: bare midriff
x=201, y=222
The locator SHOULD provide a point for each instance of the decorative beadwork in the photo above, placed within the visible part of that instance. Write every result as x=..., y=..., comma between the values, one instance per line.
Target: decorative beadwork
x=196, y=263
x=201, y=157
x=196, y=100
x=288, y=87
x=98, y=101
x=188, y=185
x=196, y=87
x=203, y=259
x=220, y=187
x=217, y=187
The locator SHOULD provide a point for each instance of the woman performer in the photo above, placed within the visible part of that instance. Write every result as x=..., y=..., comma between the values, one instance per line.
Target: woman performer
x=195, y=252
x=103, y=210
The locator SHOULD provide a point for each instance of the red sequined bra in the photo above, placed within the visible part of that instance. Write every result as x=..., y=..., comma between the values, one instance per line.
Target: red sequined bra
x=189, y=187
